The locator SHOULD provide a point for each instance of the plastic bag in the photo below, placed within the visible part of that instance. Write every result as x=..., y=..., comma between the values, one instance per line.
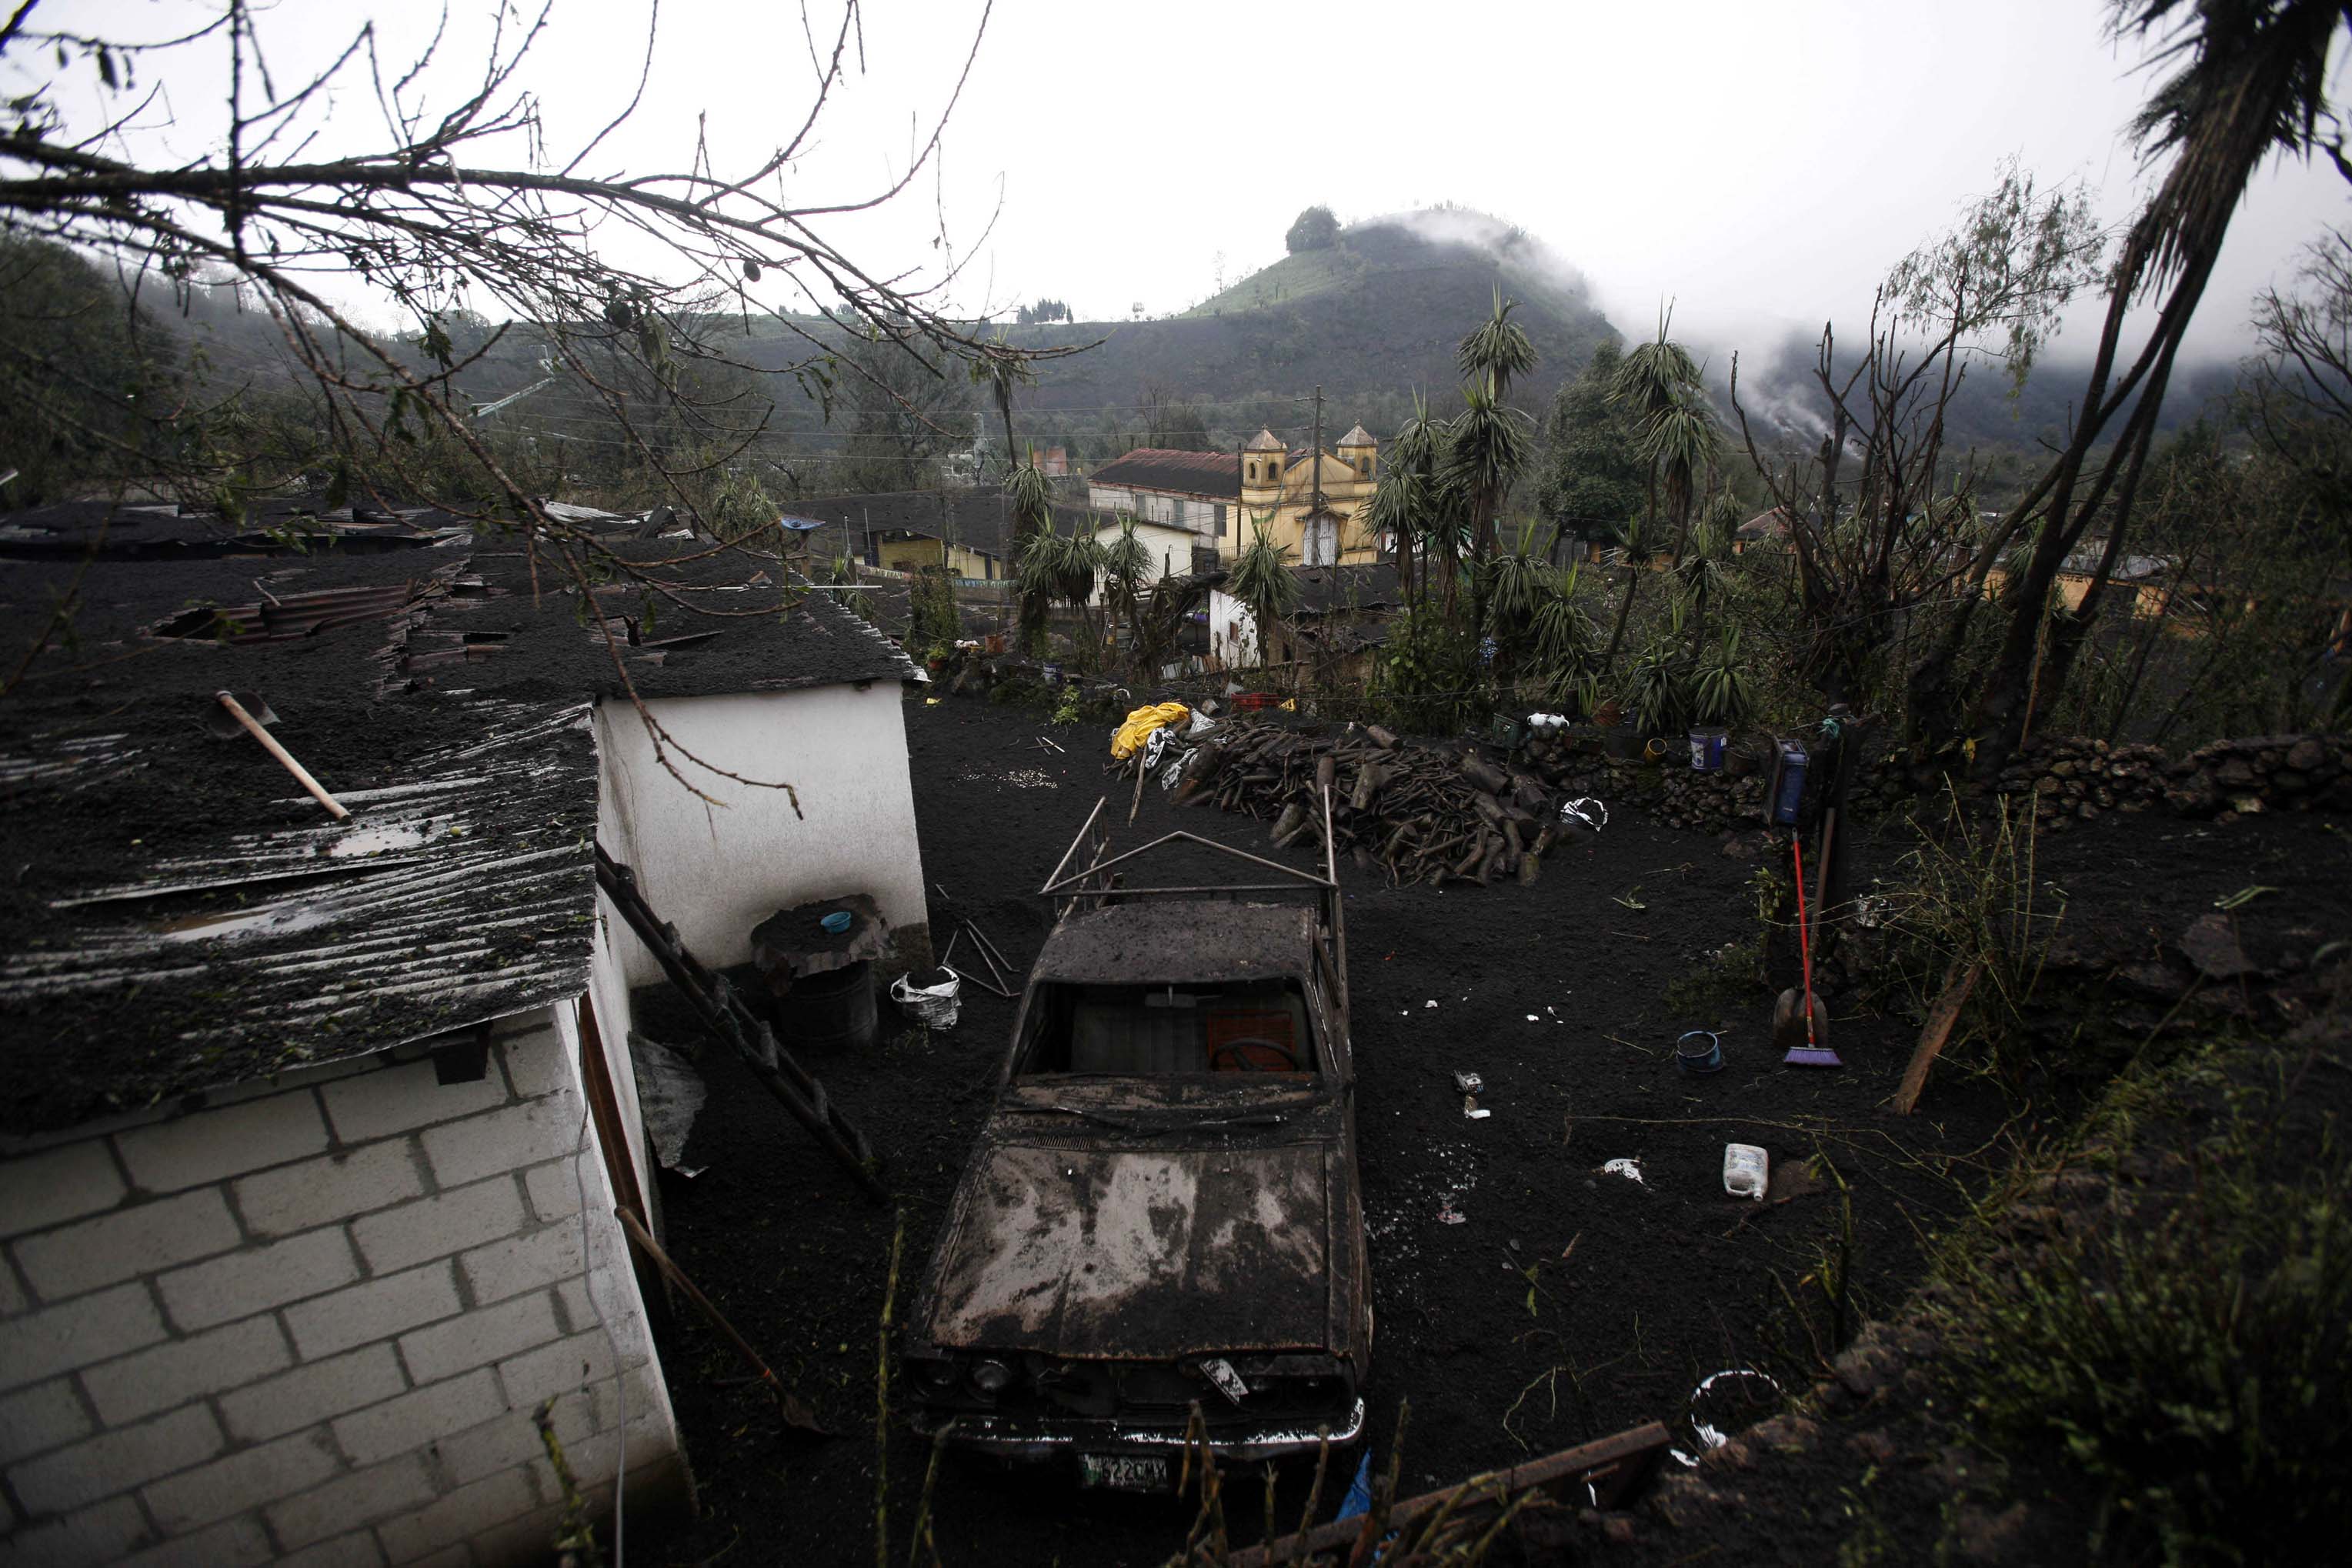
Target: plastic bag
x=933, y=1006
x=1143, y=721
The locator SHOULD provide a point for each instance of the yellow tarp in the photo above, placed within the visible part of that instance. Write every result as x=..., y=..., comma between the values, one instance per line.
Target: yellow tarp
x=1140, y=724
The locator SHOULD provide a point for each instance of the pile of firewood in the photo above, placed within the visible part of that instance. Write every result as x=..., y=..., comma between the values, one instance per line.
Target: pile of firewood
x=1421, y=814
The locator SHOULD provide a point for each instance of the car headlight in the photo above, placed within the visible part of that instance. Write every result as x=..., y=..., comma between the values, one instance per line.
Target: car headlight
x=992, y=1377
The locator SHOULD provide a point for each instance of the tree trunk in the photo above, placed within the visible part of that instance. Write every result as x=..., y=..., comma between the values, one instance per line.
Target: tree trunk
x=1624, y=609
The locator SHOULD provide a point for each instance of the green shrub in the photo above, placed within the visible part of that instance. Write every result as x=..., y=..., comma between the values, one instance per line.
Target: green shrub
x=1967, y=896
x=2188, y=1354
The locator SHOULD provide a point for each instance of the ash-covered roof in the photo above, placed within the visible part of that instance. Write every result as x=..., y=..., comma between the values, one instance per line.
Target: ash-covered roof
x=1330, y=590
x=974, y=518
x=1358, y=435
x=268, y=936
x=1215, y=475
x=179, y=915
x=1264, y=441
x=68, y=531
x=1178, y=942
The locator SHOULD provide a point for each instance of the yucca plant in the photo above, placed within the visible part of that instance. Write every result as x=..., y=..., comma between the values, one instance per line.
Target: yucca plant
x=1512, y=587
x=1723, y=691
x=1658, y=686
x=1261, y=579
x=1126, y=569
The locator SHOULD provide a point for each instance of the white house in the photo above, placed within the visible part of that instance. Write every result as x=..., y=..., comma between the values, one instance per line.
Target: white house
x=1168, y=547
x=314, y=1133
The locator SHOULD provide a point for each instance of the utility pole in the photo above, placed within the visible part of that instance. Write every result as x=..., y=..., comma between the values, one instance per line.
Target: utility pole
x=1315, y=455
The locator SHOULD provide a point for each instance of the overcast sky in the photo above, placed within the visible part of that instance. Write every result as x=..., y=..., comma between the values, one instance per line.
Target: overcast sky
x=1761, y=165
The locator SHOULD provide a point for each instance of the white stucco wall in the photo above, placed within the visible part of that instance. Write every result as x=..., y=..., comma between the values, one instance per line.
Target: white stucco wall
x=1232, y=632
x=714, y=870
x=1170, y=550
x=316, y=1317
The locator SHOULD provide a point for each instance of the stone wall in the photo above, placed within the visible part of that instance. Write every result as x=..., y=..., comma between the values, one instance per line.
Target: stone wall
x=2269, y=772
x=2069, y=779
x=314, y=1323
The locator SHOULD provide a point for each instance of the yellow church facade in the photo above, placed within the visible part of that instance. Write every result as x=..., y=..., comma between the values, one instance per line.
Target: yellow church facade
x=1224, y=497
x=1279, y=489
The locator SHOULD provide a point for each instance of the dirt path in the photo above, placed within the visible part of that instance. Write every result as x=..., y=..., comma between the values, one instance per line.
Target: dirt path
x=1565, y=1304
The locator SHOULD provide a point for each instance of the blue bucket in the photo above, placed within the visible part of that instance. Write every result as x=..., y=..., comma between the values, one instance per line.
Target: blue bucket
x=1706, y=750
x=1698, y=1053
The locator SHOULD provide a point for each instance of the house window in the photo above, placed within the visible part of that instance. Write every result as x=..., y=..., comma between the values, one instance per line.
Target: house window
x=1220, y=517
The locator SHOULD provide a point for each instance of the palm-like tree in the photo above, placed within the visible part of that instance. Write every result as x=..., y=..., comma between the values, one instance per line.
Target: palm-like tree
x=1126, y=567
x=1407, y=492
x=1261, y=579
x=1663, y=388
x=1002, y=368
x=1491, y=441
x=2249, y=78
x=1632, y=555
x=1497, y=352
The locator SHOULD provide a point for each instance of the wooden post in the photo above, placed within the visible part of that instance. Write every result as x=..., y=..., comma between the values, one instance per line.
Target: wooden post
x=1931, y=1038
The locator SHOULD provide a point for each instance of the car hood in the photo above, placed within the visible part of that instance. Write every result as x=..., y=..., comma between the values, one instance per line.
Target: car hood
x=1068, y=1246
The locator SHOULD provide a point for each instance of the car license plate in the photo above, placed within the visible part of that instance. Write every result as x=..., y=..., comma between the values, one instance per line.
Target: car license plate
x=1124, y=1472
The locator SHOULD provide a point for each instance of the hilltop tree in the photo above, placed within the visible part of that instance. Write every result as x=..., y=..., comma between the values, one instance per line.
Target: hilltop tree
x=1314, y=229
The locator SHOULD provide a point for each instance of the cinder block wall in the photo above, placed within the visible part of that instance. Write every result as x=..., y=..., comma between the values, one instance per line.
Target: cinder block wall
x=314, y=1325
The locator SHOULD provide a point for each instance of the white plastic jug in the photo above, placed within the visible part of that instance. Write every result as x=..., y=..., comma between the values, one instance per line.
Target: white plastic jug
x=1747, y=1170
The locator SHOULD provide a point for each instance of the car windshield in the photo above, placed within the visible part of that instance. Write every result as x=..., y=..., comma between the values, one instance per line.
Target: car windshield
x=1152, y=1031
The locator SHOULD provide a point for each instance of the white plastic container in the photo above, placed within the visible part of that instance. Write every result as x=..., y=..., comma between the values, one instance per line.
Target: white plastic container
x=1747, y=1170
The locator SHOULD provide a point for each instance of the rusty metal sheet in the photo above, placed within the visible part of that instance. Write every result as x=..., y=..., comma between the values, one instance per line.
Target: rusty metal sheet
x=1083, y=1251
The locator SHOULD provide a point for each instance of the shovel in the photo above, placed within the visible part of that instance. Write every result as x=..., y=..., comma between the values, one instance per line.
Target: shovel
x=236, y=711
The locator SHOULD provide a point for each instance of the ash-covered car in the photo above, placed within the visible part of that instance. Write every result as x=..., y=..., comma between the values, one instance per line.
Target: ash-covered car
x=1162, y=1210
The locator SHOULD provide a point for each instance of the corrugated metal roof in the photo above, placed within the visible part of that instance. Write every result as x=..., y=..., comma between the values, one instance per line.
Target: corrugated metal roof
x=1216, y=475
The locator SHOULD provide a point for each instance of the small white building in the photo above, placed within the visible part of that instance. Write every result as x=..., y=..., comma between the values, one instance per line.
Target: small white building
x=1168, y=547
x=314, y=1133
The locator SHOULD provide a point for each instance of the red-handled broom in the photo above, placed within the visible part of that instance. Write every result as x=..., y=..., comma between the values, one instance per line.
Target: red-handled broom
x=1813, y=1052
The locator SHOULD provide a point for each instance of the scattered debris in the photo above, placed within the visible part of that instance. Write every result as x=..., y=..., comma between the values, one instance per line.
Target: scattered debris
x=1699, y=1052
x=1585, y=811
x=670, y=1093
x=933, y=1006
x=1629, y=1169
x=1229, y=1381
x=248, y=712
x=2243, y=897
x=1468, y=1082
x=1725, y=1402
x=1747, y=1170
